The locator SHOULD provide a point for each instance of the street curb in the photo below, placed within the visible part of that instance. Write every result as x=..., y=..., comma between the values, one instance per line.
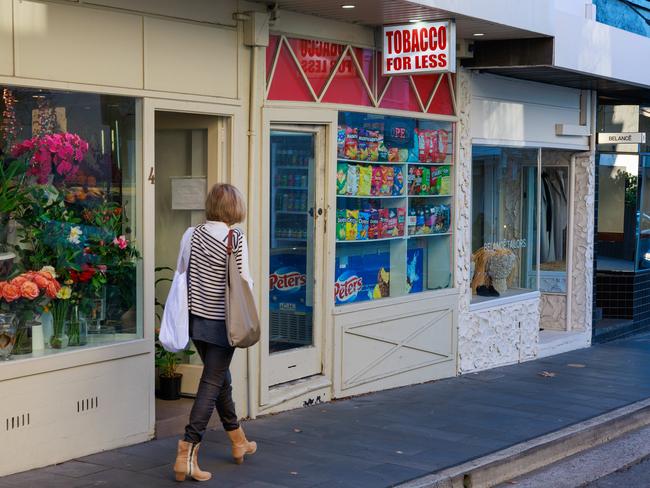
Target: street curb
x=536, y=453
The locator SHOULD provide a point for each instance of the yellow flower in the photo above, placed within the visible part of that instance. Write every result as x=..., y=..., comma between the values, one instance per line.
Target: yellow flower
x=49, y=269
x=64, y=293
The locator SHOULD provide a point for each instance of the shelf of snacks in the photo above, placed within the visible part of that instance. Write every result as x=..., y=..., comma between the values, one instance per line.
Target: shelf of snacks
x=402, y=169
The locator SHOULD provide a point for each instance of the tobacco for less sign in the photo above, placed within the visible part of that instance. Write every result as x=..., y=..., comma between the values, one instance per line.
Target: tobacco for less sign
x=426, y=47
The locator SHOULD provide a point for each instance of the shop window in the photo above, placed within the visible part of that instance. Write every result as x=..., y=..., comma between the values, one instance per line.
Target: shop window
x=618, y=178
x=504, y=221
x=69, y=264
x=394, y=206
x=643, y=247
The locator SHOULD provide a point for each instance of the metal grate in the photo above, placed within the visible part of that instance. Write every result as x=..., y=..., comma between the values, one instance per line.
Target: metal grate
x=17, y=421
x=291, y=327
x=86, y=404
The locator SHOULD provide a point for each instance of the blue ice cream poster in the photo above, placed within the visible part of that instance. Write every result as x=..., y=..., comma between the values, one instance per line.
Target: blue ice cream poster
x=288, y=282
x=362, y=278
x=414, y=269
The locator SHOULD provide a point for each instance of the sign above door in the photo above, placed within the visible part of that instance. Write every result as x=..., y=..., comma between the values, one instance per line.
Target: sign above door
x=418, y=48
x=621, y=138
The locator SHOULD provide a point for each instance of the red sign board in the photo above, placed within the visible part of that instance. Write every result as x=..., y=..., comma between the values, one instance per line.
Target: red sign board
x=423, y=47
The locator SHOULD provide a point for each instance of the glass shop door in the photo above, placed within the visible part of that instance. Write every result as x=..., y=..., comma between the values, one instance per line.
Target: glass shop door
x=295, y=251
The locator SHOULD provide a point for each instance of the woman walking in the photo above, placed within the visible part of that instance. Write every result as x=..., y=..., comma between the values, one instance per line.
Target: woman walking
x=203, y=253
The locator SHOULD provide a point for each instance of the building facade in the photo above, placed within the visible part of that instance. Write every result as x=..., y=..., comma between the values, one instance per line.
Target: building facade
x=401, y=229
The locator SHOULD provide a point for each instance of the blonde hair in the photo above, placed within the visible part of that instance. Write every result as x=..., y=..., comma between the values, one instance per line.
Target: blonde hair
x=225, y=203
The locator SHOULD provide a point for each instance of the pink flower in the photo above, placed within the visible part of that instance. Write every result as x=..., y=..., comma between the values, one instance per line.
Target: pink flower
x=102, y=268
x=121, y=242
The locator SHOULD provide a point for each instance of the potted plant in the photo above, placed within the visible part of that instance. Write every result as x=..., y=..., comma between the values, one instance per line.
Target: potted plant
x=13, y=196
x=168, y=377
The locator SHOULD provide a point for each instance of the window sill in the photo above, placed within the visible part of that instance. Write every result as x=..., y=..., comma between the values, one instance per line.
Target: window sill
x=501, y=301
x=48, y=361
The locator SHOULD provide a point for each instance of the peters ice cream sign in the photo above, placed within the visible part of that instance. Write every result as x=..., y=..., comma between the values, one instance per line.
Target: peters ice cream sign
x=423, y=47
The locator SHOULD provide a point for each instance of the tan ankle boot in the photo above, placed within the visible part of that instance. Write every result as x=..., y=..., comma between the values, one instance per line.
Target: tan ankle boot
x=187, y=464
x=240, y=445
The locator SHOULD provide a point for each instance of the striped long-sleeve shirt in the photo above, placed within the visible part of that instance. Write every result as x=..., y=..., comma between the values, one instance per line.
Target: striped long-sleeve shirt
x=203, y=254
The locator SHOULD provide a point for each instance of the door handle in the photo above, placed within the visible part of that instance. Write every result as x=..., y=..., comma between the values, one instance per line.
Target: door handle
x=320, y=211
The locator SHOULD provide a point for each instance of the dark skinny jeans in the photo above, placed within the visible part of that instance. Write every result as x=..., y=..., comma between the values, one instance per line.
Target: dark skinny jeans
x=215, y=390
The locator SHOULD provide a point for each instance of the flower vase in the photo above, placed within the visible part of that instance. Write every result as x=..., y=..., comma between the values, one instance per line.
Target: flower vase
x=7, y=335
x=23, y=344
x=59, y=338
x=77, y=329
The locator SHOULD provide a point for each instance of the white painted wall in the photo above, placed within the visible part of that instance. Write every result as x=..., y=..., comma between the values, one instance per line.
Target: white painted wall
x=508, y=111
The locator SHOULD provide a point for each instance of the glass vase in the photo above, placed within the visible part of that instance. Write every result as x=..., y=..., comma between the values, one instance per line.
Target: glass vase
x=59, y=338
x=7, y=334
x=77, y=329
x=23, y=344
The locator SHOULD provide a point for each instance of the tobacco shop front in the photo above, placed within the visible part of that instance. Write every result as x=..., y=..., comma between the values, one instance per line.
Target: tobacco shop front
x=359, y=245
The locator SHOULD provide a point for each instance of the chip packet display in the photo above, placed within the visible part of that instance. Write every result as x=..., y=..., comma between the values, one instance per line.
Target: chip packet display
x=425, y=187
x=411, y=221
x=442, y=145
x=362, y=225
x=444, y=180
x=351, y=225
x=398, y=181
x=353, y=179
x=365, y=180
x=351, y=144
x=341, y=220
x=386, y=180
x=435, y=180
x=422, y=144
x=391, y=225
x=373, y=224
x=401, y=221
x=363, y=137
x=340, y=141
x=341, y=179
x=376, y=180
x=383, y=222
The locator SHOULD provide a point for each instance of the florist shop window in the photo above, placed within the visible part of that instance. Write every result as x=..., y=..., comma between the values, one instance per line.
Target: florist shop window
x=68, y=260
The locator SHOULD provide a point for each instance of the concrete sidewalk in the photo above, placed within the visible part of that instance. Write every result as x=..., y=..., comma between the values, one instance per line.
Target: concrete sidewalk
x=386, y=438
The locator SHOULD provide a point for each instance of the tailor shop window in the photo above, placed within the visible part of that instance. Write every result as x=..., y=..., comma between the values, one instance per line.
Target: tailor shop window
x=68, y=257
x=394, y=187
x=504, y=223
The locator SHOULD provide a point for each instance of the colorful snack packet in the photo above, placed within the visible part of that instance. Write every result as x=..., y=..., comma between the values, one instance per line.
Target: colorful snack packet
x=383, y=222
x=382, y=152
x=411, y=180
x=365, y=180
x=363, y=144
x=401, y=221
x=351, y=145
x=432, y=155
x=444, y=180
x=417, y=181
x=373, y=224
x=376, y=180
x=351, y=225
x=340, y=141
x=419, y=224
x=442, y=145
x=429, y=220
x=422, y=144
x=425, y=187
x=373, y=145
x=435, y=180
x=398, y=181
x=353, y=179
x=341, y=219
x=341, y=178
x=363, y=225
x=387, y=180
x=412, y=221
x=391, y=226
x=393, y=155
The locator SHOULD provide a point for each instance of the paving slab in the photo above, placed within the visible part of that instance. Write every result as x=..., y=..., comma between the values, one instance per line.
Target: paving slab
x=385, y=438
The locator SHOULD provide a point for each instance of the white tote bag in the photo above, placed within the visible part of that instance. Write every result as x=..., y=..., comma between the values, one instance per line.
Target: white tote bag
x=174, y=327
